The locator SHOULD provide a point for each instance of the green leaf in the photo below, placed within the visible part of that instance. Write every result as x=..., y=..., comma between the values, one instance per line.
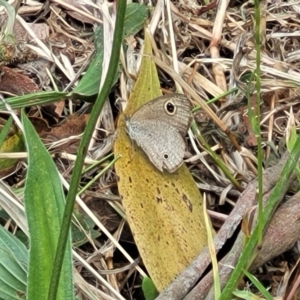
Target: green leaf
x=44, y=205
x=13, y=266
x=292, y=139
x=82, y=233
x=149, y=289
x=5, y=130
x=88, y=87
x=136, y=15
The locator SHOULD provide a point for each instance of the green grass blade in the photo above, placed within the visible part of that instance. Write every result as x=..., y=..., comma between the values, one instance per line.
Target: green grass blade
x=272, y=203
x=38, y=98
x=113, y=64
x=259, y=286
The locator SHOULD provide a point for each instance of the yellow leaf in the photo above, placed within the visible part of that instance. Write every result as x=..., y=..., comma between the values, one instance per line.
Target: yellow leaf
x=13, y=143
x=164, y=210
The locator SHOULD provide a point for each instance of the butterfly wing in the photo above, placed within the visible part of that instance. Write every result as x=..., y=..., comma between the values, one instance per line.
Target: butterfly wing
x=162, y=143
x=173, y=109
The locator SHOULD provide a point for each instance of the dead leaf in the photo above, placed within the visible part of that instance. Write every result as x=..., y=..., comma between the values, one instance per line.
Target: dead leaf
x=16, y=83
x=164, y=210
x=62, y=44
x=73, y=125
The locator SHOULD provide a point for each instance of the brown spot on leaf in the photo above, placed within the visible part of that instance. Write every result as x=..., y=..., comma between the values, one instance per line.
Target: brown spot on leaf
x=187, y=202
x=158, y=198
